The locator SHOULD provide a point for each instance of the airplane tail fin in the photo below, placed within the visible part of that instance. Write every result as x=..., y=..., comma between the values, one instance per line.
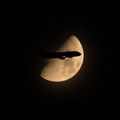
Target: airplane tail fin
x=41, y=51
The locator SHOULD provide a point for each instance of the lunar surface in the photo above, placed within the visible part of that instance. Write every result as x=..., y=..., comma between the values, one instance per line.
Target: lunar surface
x=57, y=70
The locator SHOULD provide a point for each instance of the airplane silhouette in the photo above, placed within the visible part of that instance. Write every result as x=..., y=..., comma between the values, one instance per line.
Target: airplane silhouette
x=60, y=55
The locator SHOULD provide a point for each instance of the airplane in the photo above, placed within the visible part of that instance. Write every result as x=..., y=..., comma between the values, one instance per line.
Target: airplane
x=60, y=55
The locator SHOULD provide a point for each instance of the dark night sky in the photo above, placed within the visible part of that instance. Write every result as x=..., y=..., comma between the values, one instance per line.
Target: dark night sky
x=90, y=89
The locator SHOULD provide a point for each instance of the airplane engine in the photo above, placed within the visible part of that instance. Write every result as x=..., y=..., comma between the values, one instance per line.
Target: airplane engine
x=63, y=57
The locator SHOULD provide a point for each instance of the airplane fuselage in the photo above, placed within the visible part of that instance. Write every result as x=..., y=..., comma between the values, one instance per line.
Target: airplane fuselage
x=61, y=55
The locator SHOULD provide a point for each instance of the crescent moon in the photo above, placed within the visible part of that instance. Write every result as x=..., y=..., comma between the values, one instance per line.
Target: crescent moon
x=57, y=70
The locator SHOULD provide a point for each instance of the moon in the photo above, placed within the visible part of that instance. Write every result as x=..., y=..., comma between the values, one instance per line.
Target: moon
x=57, y=70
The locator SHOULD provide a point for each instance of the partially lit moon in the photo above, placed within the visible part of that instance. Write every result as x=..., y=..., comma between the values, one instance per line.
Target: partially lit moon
x=57, y=70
